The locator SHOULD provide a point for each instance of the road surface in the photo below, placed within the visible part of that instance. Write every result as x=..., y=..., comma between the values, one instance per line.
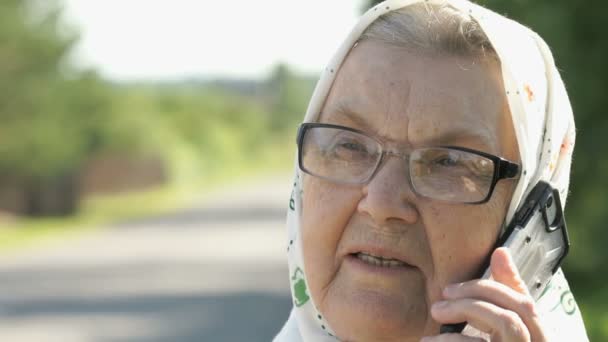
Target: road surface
x=213, y=272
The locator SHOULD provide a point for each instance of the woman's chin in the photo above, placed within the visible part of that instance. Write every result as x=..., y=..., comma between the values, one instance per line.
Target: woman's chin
x=363, y=314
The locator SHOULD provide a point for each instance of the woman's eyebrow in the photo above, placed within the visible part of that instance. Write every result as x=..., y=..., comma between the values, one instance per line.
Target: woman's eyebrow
x=459, y=135
x=343, y=110
x=453, y=136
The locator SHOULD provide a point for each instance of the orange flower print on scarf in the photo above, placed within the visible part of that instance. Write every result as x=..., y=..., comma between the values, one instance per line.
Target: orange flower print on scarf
x=529, y=92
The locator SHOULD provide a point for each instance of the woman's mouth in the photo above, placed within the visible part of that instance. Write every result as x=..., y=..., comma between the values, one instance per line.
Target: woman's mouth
x=379, y=261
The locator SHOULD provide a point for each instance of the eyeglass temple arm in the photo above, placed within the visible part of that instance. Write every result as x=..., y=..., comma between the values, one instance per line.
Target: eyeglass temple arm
x=300, y=132
x=507, y=169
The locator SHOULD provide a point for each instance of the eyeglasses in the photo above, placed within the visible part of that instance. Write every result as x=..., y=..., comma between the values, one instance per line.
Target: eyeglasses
x=447, y=173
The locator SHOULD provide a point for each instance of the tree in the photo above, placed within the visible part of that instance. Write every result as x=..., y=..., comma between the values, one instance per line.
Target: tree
x=288, y=96
x=50, y=114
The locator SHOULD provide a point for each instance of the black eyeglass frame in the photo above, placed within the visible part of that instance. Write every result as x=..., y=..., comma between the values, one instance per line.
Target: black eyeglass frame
x=503, y=168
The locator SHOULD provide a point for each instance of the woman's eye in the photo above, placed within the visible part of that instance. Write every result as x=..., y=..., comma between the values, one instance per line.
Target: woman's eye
x=446, y=161
x=350, y=149
x=353, y=146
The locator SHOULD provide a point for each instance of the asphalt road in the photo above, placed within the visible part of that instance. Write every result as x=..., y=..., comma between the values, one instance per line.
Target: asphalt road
x=213, y=272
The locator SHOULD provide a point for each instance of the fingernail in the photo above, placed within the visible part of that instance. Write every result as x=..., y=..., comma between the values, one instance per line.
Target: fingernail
x=425, y=339
x=511, y=264
x=509, y=256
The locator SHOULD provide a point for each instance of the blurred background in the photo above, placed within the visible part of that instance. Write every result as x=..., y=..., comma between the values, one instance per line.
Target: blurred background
x=146, y=150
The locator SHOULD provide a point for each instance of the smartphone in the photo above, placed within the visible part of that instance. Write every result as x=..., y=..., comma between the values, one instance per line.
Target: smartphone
x=537, y=239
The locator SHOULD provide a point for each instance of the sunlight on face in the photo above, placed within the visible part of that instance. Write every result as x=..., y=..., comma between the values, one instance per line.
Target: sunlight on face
x=410, y=101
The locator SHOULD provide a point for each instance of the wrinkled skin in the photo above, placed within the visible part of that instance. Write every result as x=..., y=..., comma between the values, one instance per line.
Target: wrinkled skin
x=408, y=101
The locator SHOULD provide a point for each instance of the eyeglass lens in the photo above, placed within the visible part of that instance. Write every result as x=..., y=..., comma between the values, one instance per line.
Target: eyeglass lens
x=436, y=172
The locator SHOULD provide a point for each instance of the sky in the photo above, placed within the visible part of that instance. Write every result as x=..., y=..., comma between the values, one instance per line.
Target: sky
x=174, y=39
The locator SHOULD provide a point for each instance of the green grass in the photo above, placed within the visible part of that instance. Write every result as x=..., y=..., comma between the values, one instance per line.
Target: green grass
x=95, y=211
x=99, y=211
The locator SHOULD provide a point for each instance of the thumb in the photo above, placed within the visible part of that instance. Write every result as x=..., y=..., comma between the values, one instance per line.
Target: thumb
x=505, y=271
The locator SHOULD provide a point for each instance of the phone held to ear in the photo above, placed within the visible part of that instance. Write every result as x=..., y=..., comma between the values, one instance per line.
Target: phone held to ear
x=537, y=239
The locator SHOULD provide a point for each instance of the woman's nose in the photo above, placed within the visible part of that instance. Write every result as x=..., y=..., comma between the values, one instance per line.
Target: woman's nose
x=389, y=195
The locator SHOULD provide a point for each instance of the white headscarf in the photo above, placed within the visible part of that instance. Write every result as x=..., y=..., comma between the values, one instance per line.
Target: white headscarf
x=544, y=127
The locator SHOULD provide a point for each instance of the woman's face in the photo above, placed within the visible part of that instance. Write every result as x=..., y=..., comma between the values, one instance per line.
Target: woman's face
x=408, y=101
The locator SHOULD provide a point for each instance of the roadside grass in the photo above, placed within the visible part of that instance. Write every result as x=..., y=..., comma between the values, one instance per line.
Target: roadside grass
x=101, y=211
x=95, y=212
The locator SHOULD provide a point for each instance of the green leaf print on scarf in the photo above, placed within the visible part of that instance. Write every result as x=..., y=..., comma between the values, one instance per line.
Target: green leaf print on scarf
x=299, y=288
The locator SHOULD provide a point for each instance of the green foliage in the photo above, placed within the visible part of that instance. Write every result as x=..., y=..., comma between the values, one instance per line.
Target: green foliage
x=47, y=117
x=287, y=103
x=575, y=31
x=54, y=117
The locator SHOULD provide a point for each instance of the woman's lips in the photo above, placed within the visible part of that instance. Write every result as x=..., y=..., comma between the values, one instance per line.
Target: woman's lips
x=379, y=256
x=378, y=260
x=369, y=266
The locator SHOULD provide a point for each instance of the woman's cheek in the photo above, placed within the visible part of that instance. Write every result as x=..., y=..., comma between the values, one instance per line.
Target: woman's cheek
x=326, y=211
x=459, y=236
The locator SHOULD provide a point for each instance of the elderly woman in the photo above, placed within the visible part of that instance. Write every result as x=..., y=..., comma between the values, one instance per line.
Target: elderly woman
x=428, y=127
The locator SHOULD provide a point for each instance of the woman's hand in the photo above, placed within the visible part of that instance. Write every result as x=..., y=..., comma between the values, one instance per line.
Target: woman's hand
x=502, y=307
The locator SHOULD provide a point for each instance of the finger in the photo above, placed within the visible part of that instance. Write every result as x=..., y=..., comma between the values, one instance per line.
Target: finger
x=505, y=325
x=497, y=293
x=505, y=271
x=502, y=296
x=451, y=338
